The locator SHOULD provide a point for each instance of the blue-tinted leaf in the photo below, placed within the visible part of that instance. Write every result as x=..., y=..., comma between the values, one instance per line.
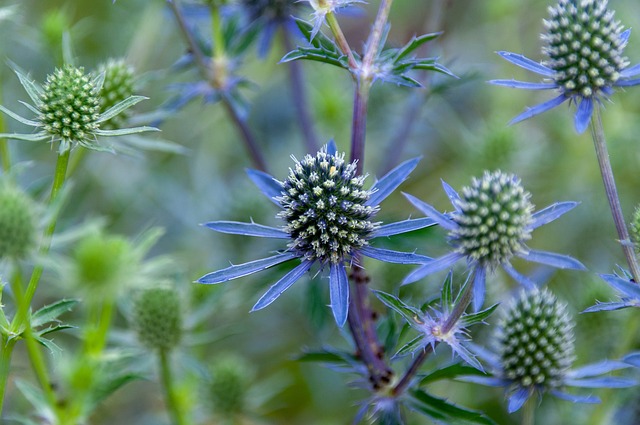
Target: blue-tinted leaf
x=332, y=149
x=444, y=262
x=247, y=229
x=607, y=307
x=538, y=109
x=240, y=270
x=527, y=64
x=411, y=314
x=396, y=257
x=627, y=288
x=550, y=213
x=630, y=71
x=583, y=114
x=479, y=317
x=339, y=293
x=518, y=398
x=602, y=382
x=633, y=359
x=575, y=398
x=404, y=226
x=33, y=89
x=430, y=211
x=518, y=277
x=552, y=259
x=514, y=84
x=451, y=193
x=387, y=184
x=595, y=369
x=268, y=185
x=51, y=312
x=479, y=283
x=282, y=285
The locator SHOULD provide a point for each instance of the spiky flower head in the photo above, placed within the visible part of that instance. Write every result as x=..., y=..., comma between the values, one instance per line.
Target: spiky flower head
x=536, y=340
x=270, y=10
x=635, y=227
x=157, y=318
x=70, y=105
x=325, y=208
x=17, y=222
x=230, y=378
x=584, y=46
x=493, y=217
x=118, y=85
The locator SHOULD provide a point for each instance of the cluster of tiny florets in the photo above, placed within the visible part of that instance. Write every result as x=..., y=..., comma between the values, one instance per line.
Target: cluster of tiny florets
x=325, y=208
x=157, y=318
x=230, y=378
x=493, y=215
x=17, y=223
x=100, y=260
x=584, y=46
x=118, y=86
x=270, y=9
x=536, y=340
x=70, y=105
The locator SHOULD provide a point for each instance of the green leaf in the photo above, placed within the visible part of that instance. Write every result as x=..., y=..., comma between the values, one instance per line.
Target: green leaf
x=123, y=132
x=450, y=372
x=51, y=312
x=412, y=45
x=33, y=89
x=430, y=65
x=471, y=319
x=36, y=137
x=119, y=107
x=316, y=55
x=446, y=297
x=19, y=118
x=109, y=386
x=412, y=315
x=320, y=40
x=52, y=329
x=411, y=346
x=441, y=409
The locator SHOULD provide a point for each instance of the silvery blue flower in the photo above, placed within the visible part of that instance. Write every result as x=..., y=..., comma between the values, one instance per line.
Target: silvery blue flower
x=490, y=224
x=535, y=352
x=328, y=217
x=584, y=46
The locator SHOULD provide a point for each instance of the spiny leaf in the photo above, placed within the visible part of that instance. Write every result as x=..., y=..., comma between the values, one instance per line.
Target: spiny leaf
x=51, y=312
x=412, y=45
x=429, y=405
x=450, y=372
x=409, y=313
x=471, y=319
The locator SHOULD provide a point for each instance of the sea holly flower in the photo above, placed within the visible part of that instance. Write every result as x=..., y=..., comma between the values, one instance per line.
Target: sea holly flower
x=433, y=325
x=17, y=222
x=536, y=346
x=329, y=221
x=67, y=109
x=270, y=15
x=490, y=224
x=629, y=293
x=584, y=45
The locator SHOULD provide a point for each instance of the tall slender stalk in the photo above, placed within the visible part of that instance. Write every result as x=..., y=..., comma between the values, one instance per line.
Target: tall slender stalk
x=171, y=399
x=597, y=132
x=529, y=413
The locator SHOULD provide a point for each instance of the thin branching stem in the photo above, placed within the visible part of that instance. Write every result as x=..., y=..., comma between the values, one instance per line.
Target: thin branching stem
x=600, y=143
x=171, y=399
x=341, y=40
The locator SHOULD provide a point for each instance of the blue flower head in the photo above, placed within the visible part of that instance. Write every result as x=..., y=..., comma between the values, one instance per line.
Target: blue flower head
x=536, y=346
x=329, y=220
x=491, y=223
x=584, y=45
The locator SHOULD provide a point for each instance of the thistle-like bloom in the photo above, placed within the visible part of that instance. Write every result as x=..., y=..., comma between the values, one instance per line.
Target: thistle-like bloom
x=17, y=222
x=119, y=82
x=329, y=221
x=321, y=8
x=584, y=45
x=536, y=350
x=629, y=293
x=490, y=224
x=434, y=326
x=67, y=109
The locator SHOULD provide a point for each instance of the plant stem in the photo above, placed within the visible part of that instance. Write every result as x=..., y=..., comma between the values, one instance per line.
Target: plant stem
x=373, y=42
x=5, y=155
x=602, y=154
x=40, y=368
x=457, y=312
x=5, y=365
x=177, y=416
x=217, y=78
x=299, y=94
x=359, y=123
x=341, y=40
x=529, y=413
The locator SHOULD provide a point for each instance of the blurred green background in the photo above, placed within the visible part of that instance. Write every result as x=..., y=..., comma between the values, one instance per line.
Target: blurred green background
x=459, y=128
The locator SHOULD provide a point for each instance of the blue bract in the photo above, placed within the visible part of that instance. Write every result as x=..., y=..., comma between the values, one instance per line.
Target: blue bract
x=490, y=224
x=328, y=217
x=584, y=46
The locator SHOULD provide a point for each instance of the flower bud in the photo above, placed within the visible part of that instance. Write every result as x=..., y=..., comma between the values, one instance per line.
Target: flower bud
x=17, y=222
x=157, y=318
x=230, y=377
x=118, y=86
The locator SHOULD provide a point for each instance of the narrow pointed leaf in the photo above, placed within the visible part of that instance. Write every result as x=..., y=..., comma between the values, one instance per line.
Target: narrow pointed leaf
x=451, y=193
x=552, y=259
x=404, y=226
x=51, y=312
x=550, y=213
x=396, y=257
x=523, y=84
x=596, y=369
x=33, y=89
x=629, y=289
x=607, y=307
x=479, y=283
x=446, y=295
x=527, y=64
x=630, y=71
x=538, y=109
x=519, y=277
x=332, y=149
x=268, y=185
x=519, y=398
x=575, y=398
x=19, y=118
x=247, y=229
x=411, y=347
x=410, y=314
x=602, y=382
x=240, y=270
x=282, y=285
x=36, y=137
x=414, y=44
x=339, y=293
x=451, y=412
x=479, y=317
x=433, y=266
x=449, y=372
x=387, y=184
x=583, y=115
x=429, y=211
x=124, y=131
x=633, y=359
x=119, y=107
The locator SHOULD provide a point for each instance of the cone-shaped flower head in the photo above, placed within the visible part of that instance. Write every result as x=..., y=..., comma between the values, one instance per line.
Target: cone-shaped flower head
x=70, y=104
x=584, y=45
x=100, y=262
x=157, y=318
x=230, y=378
x=324, y=205
x=118, y=85
x=17, y=222
x=536, y=340
x=493, y=217
x=327, y=221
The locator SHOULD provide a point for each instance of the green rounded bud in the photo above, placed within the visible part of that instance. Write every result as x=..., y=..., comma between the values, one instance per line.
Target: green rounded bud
x=118, y=86
x=70, y=105
x=17, y=222
x=584, y=46
x=493, y=217
x=536, y=340
x=100, y=260
x=325, y=208
x=230, y=378
x=635, y=228
x=157, y=318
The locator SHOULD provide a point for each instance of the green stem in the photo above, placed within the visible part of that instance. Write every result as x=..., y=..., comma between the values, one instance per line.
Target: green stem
x=529, y=412
x=602, y=154
x=5, y=155
x=39, y=367
x=341, y=39
x=177, y=416
x=97, y=336
x=373, y=42
x=217, y=34
x=359, y=123
x=5, y=366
